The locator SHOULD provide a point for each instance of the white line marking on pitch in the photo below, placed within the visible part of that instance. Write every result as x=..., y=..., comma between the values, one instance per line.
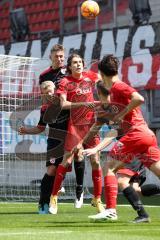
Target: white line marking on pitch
x=68, y=232
x=34, y=233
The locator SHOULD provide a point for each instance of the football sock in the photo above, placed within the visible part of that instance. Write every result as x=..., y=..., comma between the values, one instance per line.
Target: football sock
x=97, y=182
x=133, y=198
x=79, y=168
x=60, y=174
x=150, y=189
x=46, y=189
x=79, y=190
x=111, y=191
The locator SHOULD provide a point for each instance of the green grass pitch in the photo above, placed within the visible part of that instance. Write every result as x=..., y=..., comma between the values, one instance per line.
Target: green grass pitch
x=20, y=221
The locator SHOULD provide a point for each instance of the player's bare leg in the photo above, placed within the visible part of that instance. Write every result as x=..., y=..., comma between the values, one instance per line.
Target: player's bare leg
x=111, y=190
x=60, y=174
x=155, y=168
x=97, y=182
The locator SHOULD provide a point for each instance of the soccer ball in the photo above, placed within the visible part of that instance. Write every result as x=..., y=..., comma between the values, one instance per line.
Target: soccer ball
x=90, y=9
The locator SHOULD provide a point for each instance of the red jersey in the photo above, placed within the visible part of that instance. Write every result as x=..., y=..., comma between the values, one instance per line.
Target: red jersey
x=79, y=90
x=139, y=142
x=120, y=94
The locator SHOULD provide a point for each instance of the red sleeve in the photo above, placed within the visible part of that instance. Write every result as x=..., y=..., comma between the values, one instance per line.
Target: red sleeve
x=62, y=89
x=124, y=90
x=92, y=75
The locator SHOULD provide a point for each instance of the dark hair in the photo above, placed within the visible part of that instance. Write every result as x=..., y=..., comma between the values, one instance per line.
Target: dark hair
x=102, y=89
x=57, y=47
x=109, y=65
x=69, y=61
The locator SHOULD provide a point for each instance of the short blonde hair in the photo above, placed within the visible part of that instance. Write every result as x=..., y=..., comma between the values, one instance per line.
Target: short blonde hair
x=47, y=83
x=57, y=47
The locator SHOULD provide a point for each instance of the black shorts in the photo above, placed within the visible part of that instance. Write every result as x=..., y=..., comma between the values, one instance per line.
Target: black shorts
x=140, y=178
x=53, y=161
x=55, y=152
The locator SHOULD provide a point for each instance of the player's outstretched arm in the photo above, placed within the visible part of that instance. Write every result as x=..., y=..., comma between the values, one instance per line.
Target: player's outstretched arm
x=93, y=131
x=110, y=136
x=68, y=105
x=30, y=130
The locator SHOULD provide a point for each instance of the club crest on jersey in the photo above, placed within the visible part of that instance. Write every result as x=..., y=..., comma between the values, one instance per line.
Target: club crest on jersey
x=114, y=109
x=119, y=145
x=63, y=70
x=52, y=160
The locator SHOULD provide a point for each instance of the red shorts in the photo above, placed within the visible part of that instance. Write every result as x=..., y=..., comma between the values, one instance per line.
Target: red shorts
x=138, y=143
x=127, y=172
x=75, y=134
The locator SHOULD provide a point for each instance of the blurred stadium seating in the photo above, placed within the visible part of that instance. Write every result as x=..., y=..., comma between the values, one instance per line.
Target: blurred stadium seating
x=43, y=16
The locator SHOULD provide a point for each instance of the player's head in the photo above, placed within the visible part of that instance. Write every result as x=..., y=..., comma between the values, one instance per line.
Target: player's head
x=47, y=87
x=75, y=64
x=57, y=56
x=108, y=66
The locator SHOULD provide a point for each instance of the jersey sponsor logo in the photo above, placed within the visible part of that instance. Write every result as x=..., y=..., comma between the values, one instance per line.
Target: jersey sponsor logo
x=63, y=70
x=84, y=87
x=87, y=79
x=80, y=91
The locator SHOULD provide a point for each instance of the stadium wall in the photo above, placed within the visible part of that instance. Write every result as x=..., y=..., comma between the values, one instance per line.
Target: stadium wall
x=138, y=49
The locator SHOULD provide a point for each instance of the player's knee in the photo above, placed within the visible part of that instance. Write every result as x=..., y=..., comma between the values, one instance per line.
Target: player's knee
x=66, y=163
x=94, y=160
x=67, y=159
x=95, y=164
x=155, y=168
x=108, y=172
x=122, y=184
x=136, y=187
x=112, y=165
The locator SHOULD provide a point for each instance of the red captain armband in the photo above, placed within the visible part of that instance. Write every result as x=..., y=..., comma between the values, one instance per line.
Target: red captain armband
x=69, y=168
x=44, y=107
x=41, y=127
